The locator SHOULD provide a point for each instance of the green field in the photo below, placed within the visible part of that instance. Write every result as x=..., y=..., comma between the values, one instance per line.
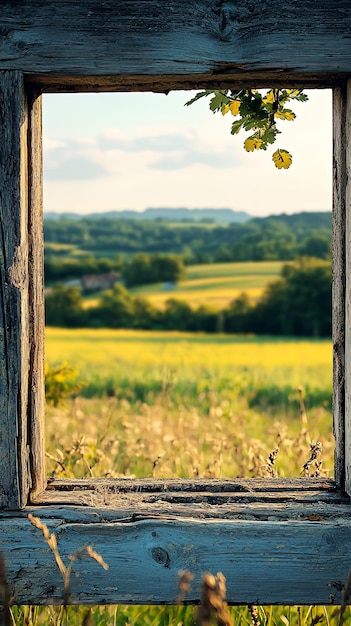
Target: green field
x=215, y=284
x=190, y=399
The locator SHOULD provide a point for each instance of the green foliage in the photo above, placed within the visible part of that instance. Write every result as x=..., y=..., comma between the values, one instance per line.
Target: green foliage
x=153, y=268
x=299, y=304
x=116, y=308
x=145, y=315
x=238, y=316
x=256, y=112
x=178, y=315
x=58, y=268
x=61, y=383
x=122, y=615
x=280, y=238
x=207, y=319
x=316, y=246
x=64, y=306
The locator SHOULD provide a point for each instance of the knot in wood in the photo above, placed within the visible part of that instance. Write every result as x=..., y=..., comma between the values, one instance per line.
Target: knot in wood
x=161, y=556
x=18, y=270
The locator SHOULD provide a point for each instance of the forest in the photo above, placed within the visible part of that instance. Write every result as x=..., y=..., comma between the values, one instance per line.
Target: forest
x=78, y=246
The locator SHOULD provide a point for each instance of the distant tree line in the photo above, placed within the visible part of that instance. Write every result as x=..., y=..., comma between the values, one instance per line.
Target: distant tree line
x=61, y=269
x=143, y=269
x=297, y=304
x=140, y=269
x=282, y=238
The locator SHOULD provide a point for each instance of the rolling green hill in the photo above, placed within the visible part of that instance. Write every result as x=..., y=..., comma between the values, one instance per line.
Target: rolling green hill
x=274, y=238
x=214, y=284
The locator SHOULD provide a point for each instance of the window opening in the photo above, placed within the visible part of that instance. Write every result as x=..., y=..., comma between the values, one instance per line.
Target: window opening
x=154, y=401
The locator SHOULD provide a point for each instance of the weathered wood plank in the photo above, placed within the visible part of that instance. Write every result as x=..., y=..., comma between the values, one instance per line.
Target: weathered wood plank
x=193, y=485
x=242, y=499
x=14, y=343
x=127, y=492
x=177, y=37
x=347, y=199
x=282, y=487
x=133, y=510
x=296, y=561
x=36, y=400
x=164, y=83
x=339, y=276
x=102, y=496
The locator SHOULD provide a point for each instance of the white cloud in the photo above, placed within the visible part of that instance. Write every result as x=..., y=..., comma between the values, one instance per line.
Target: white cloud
x=111, y=153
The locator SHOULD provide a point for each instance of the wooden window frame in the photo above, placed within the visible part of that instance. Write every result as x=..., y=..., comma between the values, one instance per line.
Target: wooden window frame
x=276, y=541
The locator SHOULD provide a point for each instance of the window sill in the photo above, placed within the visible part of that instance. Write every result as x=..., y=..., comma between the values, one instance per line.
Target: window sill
x=271, y=538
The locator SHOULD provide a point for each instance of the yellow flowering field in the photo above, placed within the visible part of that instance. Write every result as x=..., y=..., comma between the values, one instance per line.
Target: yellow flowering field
x=96, y=347
x=177, y=404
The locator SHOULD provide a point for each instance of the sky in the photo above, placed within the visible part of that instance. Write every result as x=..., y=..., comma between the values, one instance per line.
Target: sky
x=107, y=152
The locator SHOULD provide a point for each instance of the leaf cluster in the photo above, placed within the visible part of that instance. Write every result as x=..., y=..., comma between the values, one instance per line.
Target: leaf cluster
x=257, y=113
x=61, y=383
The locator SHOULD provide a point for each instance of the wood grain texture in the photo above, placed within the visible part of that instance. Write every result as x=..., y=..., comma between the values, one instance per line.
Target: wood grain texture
x=240, y=486
x=225, y=498
x=339, y=278
x=347, y=200
x=297, y=554
x=304, y=41
x=36, y=399
x=14, y=319
x=68, y=83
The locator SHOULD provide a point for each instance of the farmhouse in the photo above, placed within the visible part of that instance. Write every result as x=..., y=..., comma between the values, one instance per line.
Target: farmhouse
x=276, y=541
x=99, y=282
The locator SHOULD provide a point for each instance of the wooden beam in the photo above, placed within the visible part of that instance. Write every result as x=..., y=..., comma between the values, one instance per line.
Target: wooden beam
x=307, y=41
x=339, y=275
x=346, y=156
x=14, y=318
x=36, y=399
x=297, y=550
x=49, y=83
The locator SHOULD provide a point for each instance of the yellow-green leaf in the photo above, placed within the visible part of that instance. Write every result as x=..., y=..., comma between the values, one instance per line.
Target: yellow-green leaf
x=269, y=97
x=252, y=144
x=293, y=92
x=285, y=115
x=282, y=159
x=233, y=107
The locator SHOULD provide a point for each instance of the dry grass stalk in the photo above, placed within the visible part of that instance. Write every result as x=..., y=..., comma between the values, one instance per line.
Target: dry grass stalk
x=253, y=610
x=65, y=571
x=155, y=464
x=184, y=583
x=269, y=468
x=51, y=540
x=5, y=598
x=88, y=620
x=315, y=453
x=303, y=414
x=57, y=461
x=316, y=620
x=345, y=600
x=213, y=607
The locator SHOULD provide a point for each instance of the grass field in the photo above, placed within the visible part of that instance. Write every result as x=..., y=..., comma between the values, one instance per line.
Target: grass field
x=187, y=400
x=216, y=284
